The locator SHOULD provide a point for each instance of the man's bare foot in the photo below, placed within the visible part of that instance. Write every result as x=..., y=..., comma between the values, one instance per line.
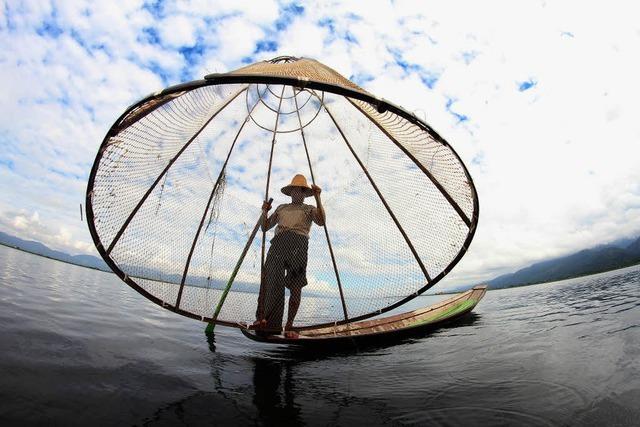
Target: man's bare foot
x=259, y=324
x=291, y=334
x=288, y=333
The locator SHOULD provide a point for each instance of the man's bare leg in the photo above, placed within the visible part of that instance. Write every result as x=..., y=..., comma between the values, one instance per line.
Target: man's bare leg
x=294, y=304
x=261, y=320
x=260, y=309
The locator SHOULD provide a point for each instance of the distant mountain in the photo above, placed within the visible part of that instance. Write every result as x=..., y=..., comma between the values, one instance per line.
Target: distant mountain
x=634, y=248
x=91, y=261
x=622, y=243
x=588, y=261
x=619, y=254
x=40, y=249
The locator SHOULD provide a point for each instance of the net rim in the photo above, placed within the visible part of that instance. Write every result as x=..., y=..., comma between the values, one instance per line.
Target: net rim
x=215, y=79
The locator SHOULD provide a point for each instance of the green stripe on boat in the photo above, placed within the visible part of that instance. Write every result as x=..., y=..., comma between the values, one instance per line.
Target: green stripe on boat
x=456, y=309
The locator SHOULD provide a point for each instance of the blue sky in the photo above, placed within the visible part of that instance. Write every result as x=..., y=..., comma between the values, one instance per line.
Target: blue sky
x=539, y=104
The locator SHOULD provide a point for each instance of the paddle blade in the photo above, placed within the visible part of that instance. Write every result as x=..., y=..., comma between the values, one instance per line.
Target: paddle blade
x=209, y=328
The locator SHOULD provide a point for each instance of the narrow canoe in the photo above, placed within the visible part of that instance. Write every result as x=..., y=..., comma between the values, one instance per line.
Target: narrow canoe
x=382, y=329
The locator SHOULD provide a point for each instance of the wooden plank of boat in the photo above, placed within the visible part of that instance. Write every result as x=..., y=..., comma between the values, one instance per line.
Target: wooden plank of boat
x=382, y=328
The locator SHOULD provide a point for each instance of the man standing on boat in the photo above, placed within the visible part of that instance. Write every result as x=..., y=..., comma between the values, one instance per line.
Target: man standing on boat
x=286, y=263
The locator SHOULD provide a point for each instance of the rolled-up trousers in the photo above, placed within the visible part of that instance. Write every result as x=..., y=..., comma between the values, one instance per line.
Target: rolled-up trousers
x=285, y=266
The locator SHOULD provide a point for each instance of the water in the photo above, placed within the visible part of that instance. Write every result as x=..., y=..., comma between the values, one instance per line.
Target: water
x=80, y=347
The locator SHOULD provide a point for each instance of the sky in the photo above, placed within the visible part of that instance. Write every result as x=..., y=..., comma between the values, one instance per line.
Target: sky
x=538, y=99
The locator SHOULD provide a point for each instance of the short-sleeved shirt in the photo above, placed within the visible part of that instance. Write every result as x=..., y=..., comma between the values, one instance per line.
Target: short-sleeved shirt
x=294, y=217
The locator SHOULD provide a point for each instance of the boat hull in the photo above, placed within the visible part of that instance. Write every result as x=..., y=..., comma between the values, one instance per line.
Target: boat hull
x=382, y=330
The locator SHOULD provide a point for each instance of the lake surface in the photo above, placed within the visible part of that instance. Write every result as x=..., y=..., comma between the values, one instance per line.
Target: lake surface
x=80, y=347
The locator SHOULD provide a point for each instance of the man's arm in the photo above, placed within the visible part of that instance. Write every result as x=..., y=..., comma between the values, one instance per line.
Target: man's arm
x=318, y=213
x=268, y=221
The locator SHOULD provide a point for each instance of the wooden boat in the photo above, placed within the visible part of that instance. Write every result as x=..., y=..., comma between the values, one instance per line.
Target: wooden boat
x=382, y=329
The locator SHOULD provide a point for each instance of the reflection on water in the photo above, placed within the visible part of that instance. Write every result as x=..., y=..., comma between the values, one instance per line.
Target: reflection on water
x=79, y=346
x=274, y=392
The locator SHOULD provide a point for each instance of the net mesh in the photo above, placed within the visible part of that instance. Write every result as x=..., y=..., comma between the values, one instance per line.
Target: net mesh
x=177, y=189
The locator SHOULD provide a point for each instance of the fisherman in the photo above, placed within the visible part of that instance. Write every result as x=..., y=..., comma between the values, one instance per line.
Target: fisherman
x=286, y=263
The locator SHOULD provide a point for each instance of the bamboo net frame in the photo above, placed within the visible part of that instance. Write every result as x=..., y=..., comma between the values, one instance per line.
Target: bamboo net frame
x=401, y=206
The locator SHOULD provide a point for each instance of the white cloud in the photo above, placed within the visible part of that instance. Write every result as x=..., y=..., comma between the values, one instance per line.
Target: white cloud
x=236, y=38
x=29, y=226
x=556, y=165
x=178, y=31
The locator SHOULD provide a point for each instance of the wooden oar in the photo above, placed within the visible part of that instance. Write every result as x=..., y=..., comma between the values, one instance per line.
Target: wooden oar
x=212, y=323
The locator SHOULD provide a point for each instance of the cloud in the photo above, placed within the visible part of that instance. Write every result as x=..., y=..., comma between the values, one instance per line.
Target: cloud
x=178, y=31
x=538, y=104
x=29, y=226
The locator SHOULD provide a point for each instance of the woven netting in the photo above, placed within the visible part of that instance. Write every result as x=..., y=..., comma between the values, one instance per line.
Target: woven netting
x=178, y=185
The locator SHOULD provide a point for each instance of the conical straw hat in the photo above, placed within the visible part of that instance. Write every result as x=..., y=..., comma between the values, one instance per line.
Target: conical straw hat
x=298, y=181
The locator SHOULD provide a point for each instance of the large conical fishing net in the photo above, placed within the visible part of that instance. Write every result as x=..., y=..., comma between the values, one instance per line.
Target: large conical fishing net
x=178, y=184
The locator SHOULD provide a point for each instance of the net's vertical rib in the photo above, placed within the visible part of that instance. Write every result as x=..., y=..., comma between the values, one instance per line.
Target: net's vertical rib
x=435, y=182
x=326, y=230
x=206, y=209
x=266, y=197
x=382, y=199
x=164, y=171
